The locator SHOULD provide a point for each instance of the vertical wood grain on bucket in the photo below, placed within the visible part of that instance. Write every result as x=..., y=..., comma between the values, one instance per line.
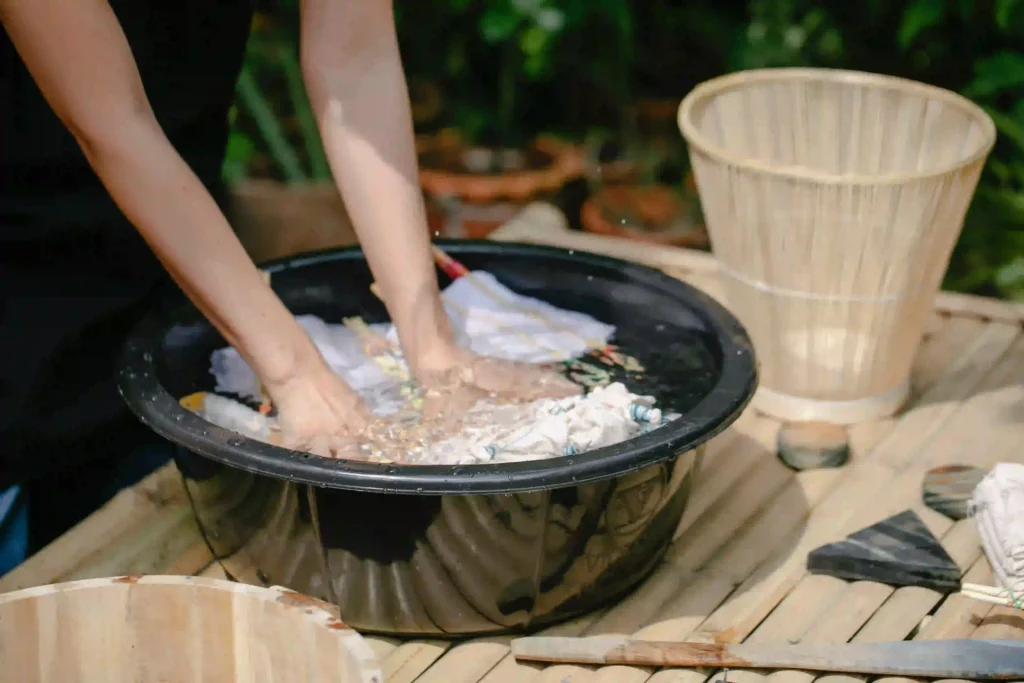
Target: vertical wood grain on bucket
x=176, y=629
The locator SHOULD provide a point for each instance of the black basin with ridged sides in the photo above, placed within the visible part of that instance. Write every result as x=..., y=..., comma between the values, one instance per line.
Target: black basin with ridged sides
x=430, y=550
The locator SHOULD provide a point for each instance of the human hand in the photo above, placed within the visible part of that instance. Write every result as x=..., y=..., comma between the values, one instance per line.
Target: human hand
x=319, y=413
x=454, y=387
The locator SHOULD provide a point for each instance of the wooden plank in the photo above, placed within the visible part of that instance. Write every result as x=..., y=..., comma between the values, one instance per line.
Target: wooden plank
x=147, y=550
x=681, y=617
x=411, y=659
x=760, y=594
x=832, y=610
x=907, y=607
x=842, y=512
x=955, y=303
x=743, y=578
x=935, y=407
x=948, y=337
x=959, y=616
x=508, y=670
x=156, y=501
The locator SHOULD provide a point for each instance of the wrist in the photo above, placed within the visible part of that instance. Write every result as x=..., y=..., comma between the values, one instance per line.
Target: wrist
x=427, y=338
x=290, y=356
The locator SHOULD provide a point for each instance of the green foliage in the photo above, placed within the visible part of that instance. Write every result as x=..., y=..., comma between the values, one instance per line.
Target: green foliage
x=785, y=33
x=509, y=69
x=271, y=106
x=989, y=257
x=973, y=47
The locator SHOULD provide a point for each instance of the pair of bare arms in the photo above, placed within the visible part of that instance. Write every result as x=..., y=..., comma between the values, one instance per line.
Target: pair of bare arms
x=78, y=55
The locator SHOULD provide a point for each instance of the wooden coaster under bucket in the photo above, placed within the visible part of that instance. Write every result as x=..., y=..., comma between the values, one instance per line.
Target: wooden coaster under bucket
x=832, y=212
x=180, y=629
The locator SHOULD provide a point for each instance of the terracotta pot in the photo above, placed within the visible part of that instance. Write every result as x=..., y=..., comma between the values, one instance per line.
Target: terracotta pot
x=275, y=219
x=465, y=196
x=656, y=115
x=654, y=215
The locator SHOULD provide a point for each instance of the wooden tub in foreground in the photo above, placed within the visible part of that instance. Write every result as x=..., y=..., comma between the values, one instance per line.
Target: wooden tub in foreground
x=176, y=629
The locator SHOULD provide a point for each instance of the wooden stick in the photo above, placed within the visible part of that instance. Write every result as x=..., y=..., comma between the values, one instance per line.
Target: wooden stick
x=992, y=595
x=450, y=266
x=970, y=659
x=984, y=590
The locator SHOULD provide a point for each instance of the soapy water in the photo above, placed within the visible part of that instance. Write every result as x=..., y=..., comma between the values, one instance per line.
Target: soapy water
x=493, y=322
x=491, y=431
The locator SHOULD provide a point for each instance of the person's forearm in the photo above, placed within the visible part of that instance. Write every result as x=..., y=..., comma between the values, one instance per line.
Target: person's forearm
x=362, y=106
x=81, y=60
x=181, y=222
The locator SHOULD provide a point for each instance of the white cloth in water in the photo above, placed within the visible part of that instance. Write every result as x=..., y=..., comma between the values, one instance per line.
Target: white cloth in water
x=488, y=318
x=491, y=320
x=997, y=508
x=547, y=428
x=495, y=432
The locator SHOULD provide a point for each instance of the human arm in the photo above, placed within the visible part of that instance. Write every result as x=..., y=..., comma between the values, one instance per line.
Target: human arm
x=356, y=85
x=81, y=60
x=354, y=77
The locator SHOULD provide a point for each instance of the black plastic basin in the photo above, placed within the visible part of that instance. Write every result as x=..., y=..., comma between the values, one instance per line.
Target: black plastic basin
x=468, y=549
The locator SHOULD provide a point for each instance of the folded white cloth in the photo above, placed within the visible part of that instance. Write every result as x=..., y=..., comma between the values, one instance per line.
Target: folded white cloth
x=488, y=318
x=997, y=508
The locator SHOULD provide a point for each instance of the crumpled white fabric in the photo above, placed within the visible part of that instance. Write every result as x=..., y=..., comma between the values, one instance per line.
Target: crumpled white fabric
x=490, y=320
x=997, y=508
x=547, y=428
x=487, y=317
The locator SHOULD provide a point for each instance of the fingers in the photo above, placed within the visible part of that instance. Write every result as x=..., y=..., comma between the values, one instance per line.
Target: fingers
x=522, y=381
x=439, y=406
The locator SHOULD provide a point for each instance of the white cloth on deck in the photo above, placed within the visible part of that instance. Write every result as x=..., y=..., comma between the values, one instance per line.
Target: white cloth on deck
x=997, y=508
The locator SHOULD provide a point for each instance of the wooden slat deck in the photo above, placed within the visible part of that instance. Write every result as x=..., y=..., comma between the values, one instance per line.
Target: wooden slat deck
x=737, y=569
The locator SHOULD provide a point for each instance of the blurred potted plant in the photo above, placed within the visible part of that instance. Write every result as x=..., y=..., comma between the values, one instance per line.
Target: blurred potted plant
x=637, y=172
x=650, y=197
x=479, y=174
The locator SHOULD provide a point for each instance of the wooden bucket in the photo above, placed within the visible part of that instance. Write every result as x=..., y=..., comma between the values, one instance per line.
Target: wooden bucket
x=176, y=629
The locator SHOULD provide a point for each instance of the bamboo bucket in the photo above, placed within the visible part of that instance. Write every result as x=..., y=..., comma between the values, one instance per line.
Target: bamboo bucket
x=833, y=200
x=176, y=629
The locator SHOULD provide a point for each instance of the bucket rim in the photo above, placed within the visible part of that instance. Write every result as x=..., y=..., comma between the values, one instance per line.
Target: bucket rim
x=142, y=390
x=716, y=86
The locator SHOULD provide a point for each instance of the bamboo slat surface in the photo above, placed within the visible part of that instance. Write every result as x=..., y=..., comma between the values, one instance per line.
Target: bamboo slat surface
x=736, y=571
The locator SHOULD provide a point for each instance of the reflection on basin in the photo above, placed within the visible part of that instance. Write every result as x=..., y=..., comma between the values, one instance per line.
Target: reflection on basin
x=456, y=550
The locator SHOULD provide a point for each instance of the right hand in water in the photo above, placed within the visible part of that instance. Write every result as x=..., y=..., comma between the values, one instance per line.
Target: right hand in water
x=319, y=413
x=453, y=388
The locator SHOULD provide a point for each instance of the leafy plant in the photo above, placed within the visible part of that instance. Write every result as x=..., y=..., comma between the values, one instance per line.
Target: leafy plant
x=272, y=114
x=989, y=257
x=784, y=33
